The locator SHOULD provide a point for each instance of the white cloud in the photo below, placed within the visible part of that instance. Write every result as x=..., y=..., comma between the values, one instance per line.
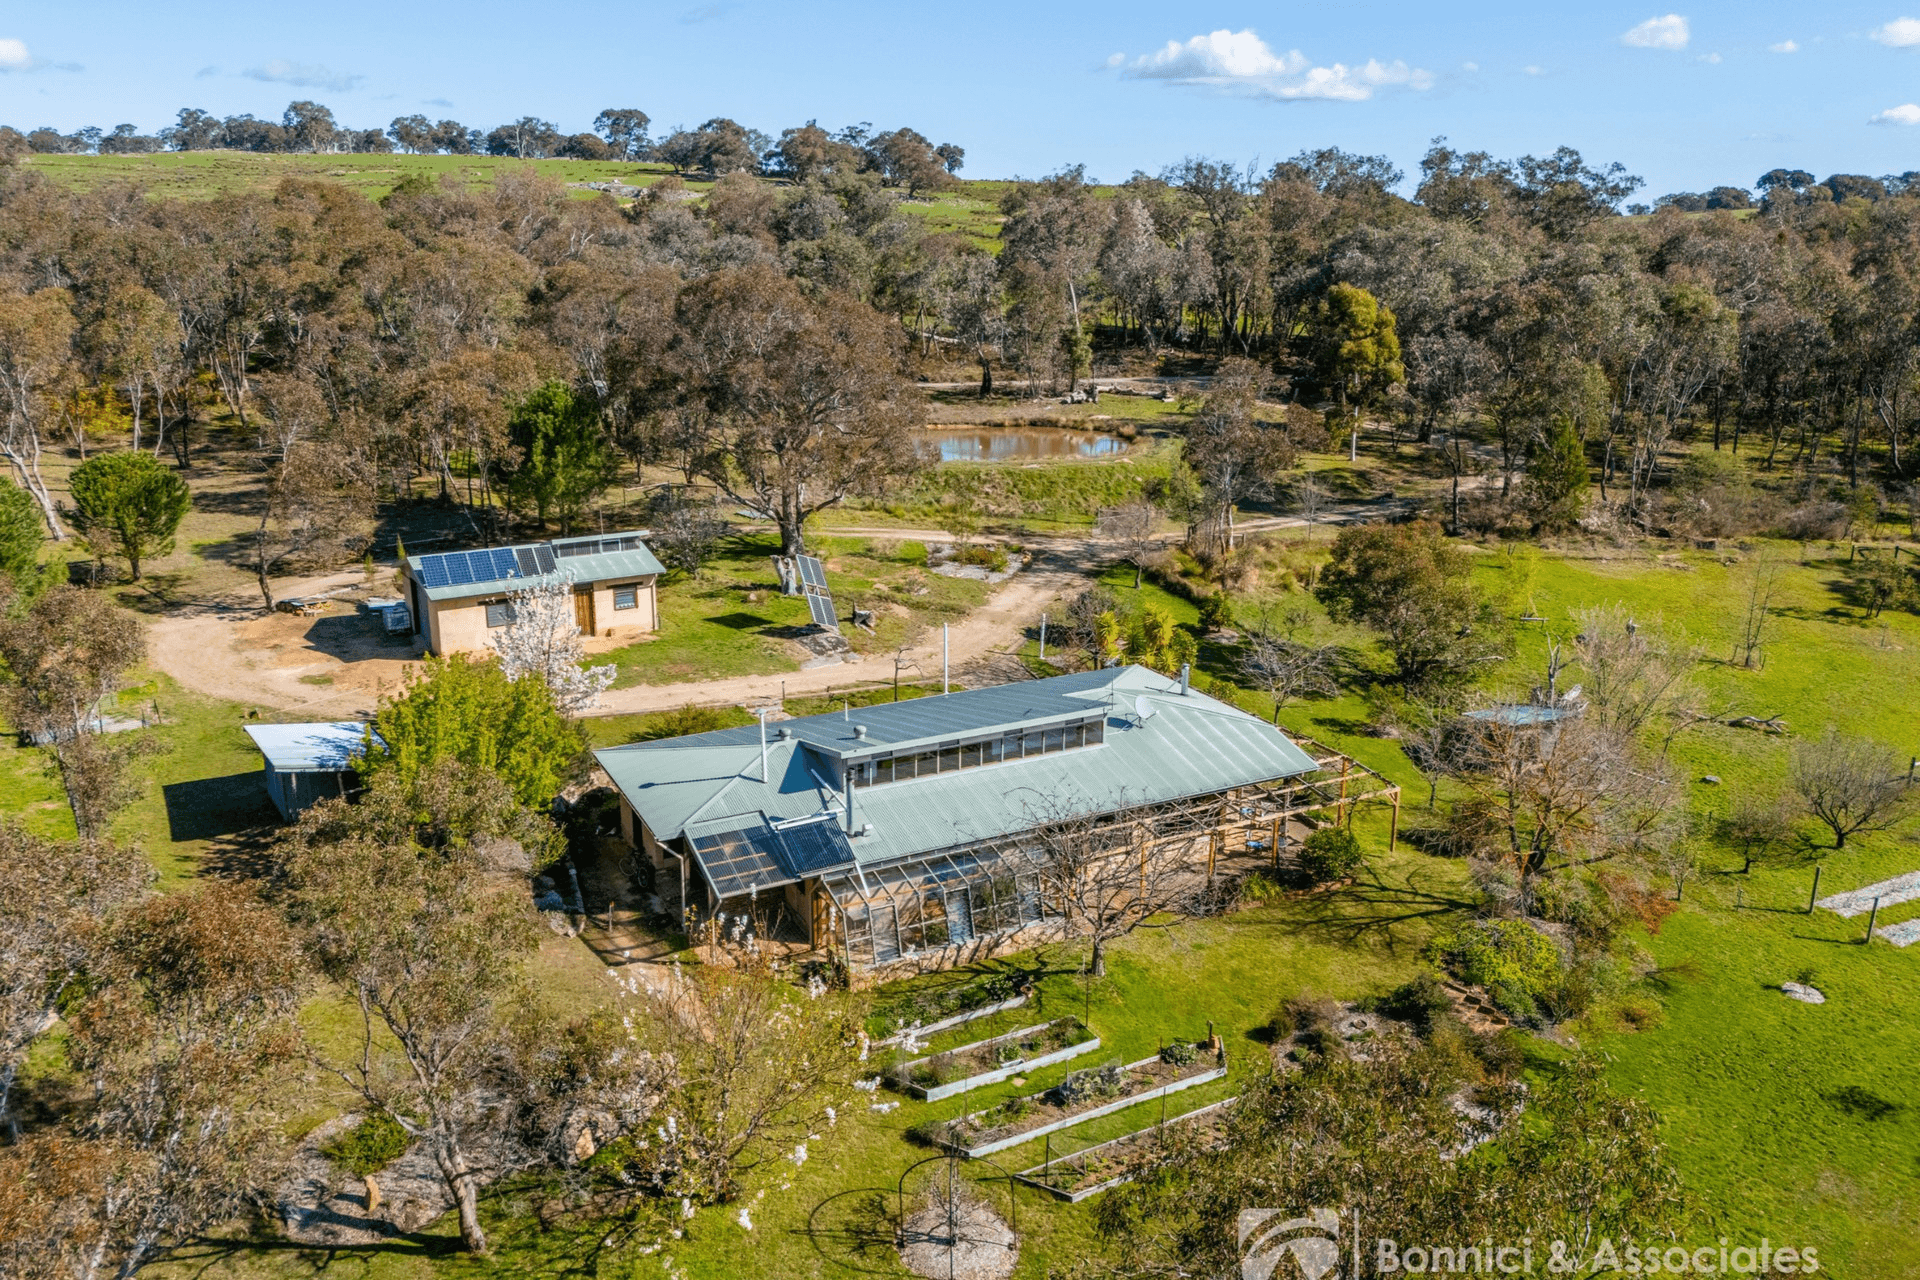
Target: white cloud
x=303, y=75
x=1534, y=70
x=1785, y=46
x=14, y=55
x=1469, y=66
x=1240, y=61
x=1899, y=34
x=1709, y=57
x=1669, y=32
x=1905, y=113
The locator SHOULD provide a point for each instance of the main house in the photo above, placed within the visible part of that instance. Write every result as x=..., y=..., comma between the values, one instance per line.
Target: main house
x=909, y=830
x=459, y=598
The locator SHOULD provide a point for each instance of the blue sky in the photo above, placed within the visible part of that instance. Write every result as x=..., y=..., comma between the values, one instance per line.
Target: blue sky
x=1688, y=98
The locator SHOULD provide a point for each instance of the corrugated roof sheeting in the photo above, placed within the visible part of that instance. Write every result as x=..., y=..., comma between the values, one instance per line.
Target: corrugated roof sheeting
x=301, y=748
x=1192, y=746
x=604, y=566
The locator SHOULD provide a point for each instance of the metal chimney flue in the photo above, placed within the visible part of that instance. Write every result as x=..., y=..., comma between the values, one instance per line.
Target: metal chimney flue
x=1186, y=677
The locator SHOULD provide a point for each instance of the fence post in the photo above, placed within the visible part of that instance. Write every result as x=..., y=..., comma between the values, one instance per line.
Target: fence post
x=1872, y=916
x=1817, y=868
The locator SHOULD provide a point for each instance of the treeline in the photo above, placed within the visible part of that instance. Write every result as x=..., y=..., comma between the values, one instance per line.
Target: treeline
x=759, y=337
x=720, y=146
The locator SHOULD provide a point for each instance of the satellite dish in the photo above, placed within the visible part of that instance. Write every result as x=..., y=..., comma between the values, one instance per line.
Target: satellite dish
x=1143, y=708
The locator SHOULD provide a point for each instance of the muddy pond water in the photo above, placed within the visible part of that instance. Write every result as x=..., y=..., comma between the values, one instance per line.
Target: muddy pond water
x=1020, y=444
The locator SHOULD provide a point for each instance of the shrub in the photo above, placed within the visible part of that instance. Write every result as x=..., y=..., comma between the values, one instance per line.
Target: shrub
x=1084, y=1086
x=689, y=719
x=1216, y=612
x=1815, y=521
x=1516, y=963
x=1421, y=1002
x=1179, y=1054
x=992, y=559
x=913, y=552
x=1329, y=854
x=368, y=1147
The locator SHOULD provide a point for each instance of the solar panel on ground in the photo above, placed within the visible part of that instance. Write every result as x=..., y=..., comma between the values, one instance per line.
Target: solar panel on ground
x=812, y=572
x=821, y=607
x=737, y=862
x=813, y=847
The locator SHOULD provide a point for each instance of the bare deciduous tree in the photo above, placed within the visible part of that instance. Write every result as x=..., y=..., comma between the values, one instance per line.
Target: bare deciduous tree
x=1134, y=528
x=1578, y=791
x=1107, y=877
x=686, y=531
x=1762, y=579
x=1758, y=827
x=1633, y=673
x=1850, y=784
x=1287, y=669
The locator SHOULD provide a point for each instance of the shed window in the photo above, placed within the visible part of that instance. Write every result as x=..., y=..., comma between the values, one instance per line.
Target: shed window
x=627, y=597
x=500, y=613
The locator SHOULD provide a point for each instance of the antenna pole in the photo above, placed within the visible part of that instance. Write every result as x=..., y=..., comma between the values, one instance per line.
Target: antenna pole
x=763, y=743
x=943, y=657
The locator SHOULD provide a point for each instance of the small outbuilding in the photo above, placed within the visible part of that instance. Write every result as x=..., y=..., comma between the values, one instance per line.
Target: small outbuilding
x=307, y=763
x=458, y=599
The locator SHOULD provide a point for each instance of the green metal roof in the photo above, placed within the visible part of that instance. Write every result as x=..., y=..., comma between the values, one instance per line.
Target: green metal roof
x=601, y=566
x=1190, y=745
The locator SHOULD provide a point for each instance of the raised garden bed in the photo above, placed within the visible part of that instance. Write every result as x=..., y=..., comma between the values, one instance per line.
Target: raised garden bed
x=949, y=1023
x=1082, y=1096
x=985, y=1062
x=929, y=1009
x=1105, y=1166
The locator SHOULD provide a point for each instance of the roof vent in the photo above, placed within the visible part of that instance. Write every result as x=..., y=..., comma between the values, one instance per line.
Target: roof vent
x=866, y=828
x=783, y=733
x=859, y=731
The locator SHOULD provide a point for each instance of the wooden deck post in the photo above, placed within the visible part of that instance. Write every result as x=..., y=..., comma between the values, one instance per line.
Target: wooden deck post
x=1276, y=842
x=1213, y=846
x=1393, y=831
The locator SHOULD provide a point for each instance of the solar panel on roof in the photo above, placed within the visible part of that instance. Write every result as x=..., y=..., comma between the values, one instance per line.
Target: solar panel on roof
x=504, y=564
x=738, y=862
x=524, y=561
x=459, y=573
x=821, y=607
x=431, y=570
x=815, y=846
x=544, y=555
x=812, y=572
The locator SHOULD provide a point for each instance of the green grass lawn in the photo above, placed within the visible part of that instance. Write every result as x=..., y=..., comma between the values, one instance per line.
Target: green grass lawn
x=725, y=622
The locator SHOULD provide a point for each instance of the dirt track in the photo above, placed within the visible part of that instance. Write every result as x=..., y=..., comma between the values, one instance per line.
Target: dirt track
x=335, y=666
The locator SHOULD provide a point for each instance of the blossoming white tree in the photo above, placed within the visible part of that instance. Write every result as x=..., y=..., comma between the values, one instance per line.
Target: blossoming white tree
x=543, y=639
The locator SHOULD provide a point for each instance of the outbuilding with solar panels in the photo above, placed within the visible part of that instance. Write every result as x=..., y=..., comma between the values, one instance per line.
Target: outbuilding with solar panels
x=461, y=598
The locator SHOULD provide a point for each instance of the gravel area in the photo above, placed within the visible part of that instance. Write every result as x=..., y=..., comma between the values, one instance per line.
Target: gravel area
x=967, y=1242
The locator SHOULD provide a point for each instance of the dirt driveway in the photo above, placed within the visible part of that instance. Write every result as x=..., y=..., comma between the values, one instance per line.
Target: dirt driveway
x=331, y=666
